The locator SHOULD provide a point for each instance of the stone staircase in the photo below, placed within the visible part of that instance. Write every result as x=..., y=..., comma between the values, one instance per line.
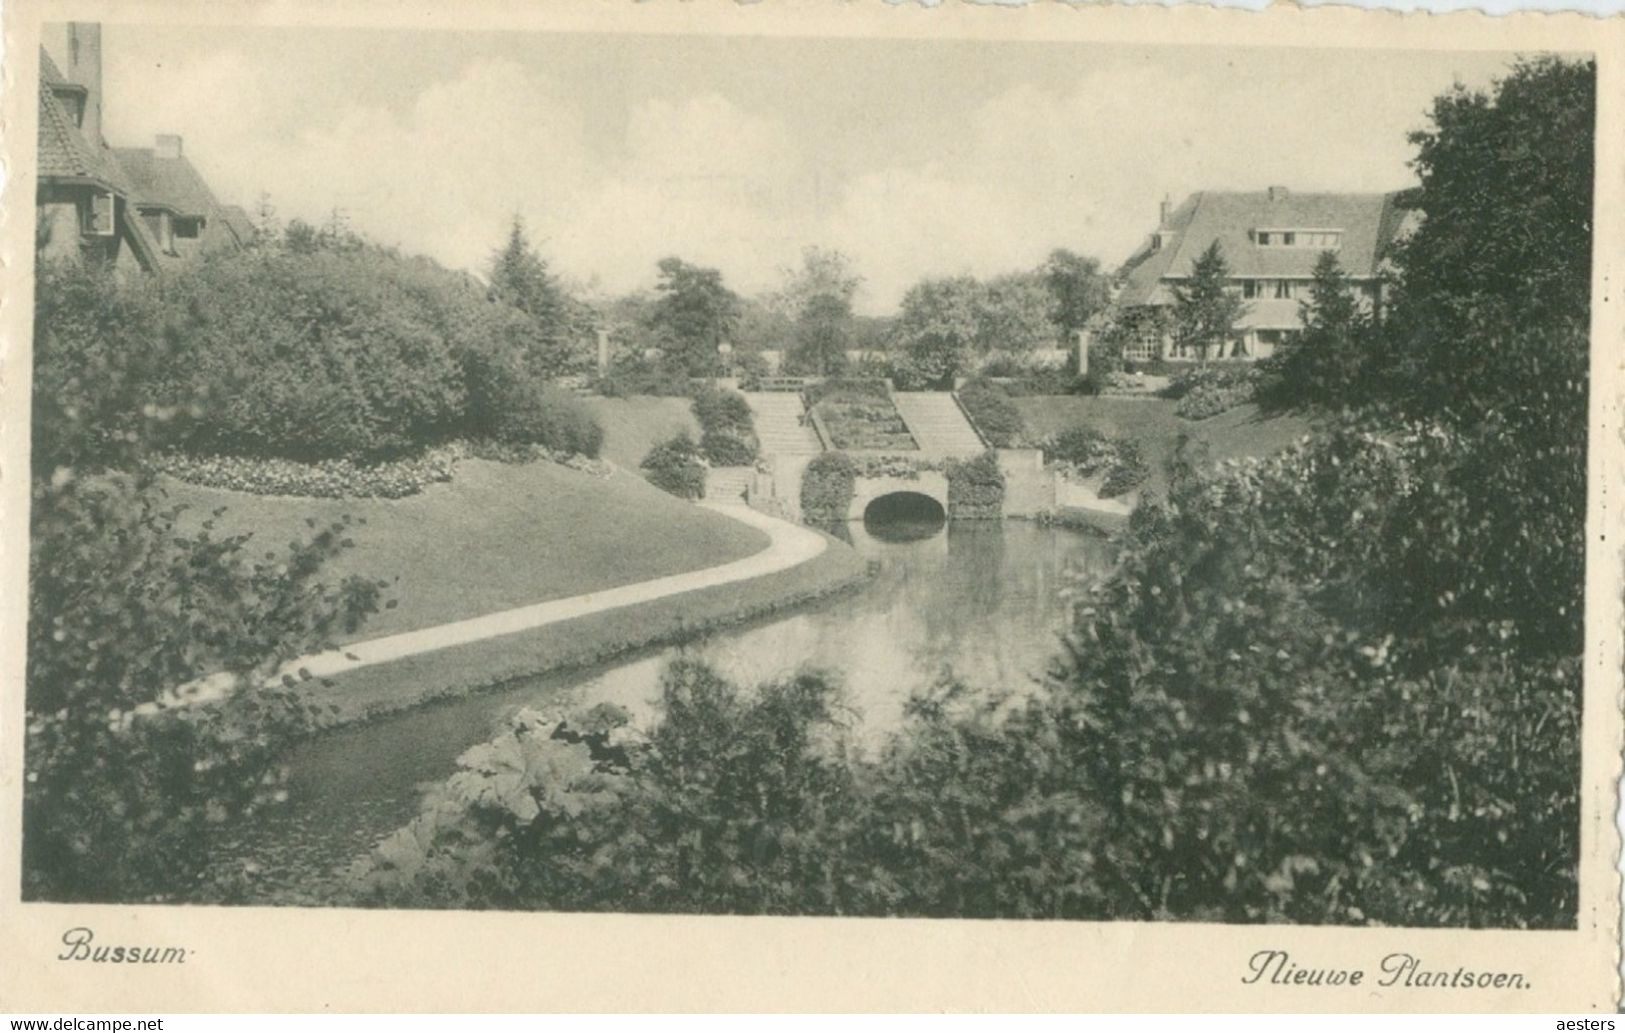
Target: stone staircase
x=780, y=423
x=727, y=483
x=938, y=424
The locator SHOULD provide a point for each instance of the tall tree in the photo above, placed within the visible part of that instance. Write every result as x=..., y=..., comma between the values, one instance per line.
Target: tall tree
x=1322, y=365
x=695, y=313
x=1205, y=309
x=1504, y=242
x=938, y=328
x=817, y=298
x=1013, y=315
x=520, y=278
x=1077, y=288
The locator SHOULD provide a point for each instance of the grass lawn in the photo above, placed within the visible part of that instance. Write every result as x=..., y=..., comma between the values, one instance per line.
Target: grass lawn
x=496, y=537
x=1242, y=431
x=634, y=425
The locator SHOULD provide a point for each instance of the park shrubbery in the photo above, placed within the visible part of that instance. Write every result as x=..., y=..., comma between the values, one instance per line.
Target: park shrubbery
x=728, y=436
x=632, y=374
x=356, y=355
x=828, y=486
x=975, y=487
x=994, y=414
x=1088, y=451
x=676, y=466
x=1207, y=389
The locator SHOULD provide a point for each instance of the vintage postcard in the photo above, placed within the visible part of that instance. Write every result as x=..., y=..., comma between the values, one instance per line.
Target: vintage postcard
x=608, y=506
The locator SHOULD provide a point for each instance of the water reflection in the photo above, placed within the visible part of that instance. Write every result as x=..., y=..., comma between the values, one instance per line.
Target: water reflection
x=980, y=600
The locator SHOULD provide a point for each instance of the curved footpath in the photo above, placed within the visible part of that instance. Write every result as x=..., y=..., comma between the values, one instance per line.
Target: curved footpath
x=791, y=546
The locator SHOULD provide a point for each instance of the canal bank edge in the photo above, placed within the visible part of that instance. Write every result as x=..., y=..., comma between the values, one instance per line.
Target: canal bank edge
x=413, y=679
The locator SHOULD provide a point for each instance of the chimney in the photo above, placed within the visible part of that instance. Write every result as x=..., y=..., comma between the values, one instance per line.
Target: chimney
x=1277, y=193
x=168, y=146
x=1165, y=210
x=85, y=68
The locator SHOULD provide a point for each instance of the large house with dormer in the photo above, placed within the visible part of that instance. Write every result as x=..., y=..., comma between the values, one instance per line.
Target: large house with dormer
x=128, y=207
x=1270, y=240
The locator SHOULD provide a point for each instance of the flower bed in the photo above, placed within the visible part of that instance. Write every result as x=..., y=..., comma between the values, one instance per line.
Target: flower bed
x=345, y=478
x=1212, y=388
x=862, y=418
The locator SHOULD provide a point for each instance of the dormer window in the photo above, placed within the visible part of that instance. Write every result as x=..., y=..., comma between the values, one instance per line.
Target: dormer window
x=1320, y=239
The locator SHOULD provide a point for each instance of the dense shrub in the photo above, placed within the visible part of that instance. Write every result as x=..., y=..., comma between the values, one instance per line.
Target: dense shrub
x=975, y=487
x=726, y=450
x=1081, y=446
x=632, y=374
x=994, y=414
x=1207, y=389
x=122, y=798
x=675, y=466
x=1272, y=638
x=101, y=371
x=728, y=436
x=724, y=412
x=1128, y=469
x=828, y=486
x=535, y=413
x=313, y=356
x=731, y=804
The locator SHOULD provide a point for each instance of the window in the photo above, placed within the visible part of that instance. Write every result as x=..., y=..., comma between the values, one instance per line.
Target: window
x=188, y=228
x=1283, y=290
x=1323, y=239
x=1250, y=288
x=99, y=215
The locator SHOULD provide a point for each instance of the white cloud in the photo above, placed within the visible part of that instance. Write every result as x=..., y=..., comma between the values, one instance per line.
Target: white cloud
x=717, y=179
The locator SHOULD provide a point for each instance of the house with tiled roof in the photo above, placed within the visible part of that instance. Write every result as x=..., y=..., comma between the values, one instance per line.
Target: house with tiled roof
x=177, y=206
x=83, y=198
x=132, y=207
x=1270, y=240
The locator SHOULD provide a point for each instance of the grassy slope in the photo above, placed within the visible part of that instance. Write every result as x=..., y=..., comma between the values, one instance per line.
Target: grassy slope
x=496, y=537
x=1242, y=431
x=634, y=425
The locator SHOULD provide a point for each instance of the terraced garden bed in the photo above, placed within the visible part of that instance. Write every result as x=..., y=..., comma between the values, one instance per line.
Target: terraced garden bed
x=860, y=416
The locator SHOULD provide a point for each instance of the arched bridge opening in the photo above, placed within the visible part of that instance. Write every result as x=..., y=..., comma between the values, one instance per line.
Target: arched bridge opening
x=902, y=516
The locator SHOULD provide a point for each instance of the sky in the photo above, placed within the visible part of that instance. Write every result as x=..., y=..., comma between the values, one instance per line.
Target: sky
x=915, y=158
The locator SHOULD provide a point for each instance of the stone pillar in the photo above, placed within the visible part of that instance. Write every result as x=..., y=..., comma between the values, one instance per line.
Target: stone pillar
x=603, y=351
x=1083, y=353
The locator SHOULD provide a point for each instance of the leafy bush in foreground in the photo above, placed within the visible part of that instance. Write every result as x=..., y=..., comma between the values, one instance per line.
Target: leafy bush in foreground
x=121, y=804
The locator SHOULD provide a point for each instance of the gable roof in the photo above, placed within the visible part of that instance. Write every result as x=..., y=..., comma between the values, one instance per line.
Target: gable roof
x=237, y=221
x=1368, y=223
x=64, y=150
x=171, y=182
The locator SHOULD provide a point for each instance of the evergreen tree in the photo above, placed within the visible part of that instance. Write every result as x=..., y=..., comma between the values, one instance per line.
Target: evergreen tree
x=1205, y=310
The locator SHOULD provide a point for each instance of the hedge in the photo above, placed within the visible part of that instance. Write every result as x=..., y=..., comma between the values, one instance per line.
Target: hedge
x=828, y=486
x=994, y=414
x=675, y=466
x=975, y=488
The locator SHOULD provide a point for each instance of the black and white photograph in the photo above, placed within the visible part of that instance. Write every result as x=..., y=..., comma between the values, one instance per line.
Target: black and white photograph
x=1062, y=481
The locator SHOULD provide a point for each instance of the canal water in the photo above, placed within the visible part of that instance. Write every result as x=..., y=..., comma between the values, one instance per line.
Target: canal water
x=985, y=601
